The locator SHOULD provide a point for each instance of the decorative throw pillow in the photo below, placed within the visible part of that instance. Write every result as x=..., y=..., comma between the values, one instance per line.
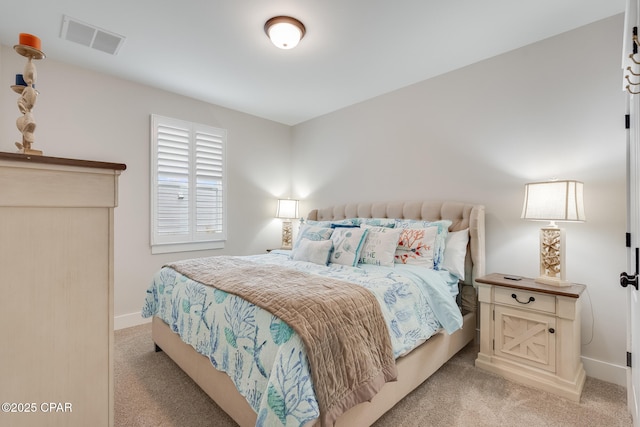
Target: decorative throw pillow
x=377, y=222
x=312, y=232
x=416, y=246
x=315, y=251
x=455, y=252
x=439, y=245
x=328, y=224
x=380, y=246
x=347, y=244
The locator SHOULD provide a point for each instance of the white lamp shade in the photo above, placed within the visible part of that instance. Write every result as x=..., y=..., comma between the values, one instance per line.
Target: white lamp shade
x=287, y=209
x=554, y=201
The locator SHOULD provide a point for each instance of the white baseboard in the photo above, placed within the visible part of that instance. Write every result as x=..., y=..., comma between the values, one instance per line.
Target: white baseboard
x=605, y=371
x=129, y=320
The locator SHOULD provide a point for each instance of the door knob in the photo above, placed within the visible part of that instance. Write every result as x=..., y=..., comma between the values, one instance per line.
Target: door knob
x=629, y=279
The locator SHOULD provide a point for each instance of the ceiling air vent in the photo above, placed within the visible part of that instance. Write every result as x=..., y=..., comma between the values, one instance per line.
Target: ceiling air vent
x=91, y=36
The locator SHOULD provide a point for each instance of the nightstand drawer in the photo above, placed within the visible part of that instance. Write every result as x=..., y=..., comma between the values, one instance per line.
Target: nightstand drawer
x=524, y=299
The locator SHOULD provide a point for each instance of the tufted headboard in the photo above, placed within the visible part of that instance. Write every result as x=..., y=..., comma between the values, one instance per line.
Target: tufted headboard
x=462, y=215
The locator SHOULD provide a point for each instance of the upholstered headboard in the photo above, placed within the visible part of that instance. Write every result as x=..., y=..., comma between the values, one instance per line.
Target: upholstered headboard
x=462, y=215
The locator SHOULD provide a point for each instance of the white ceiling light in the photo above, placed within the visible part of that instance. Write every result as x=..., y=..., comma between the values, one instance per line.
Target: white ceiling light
x=284, y=31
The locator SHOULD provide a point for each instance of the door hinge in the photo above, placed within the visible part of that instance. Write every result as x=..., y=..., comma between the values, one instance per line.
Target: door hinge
x=627, y=240
x=493, y=345
x=628, y=359
x=635, y=46
x=627, y=121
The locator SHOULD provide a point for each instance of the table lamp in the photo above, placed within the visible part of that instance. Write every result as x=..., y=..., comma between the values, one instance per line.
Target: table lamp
x=553, y=201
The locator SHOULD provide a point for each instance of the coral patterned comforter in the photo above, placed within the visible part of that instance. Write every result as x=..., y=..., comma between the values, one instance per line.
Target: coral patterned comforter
x=264, y=357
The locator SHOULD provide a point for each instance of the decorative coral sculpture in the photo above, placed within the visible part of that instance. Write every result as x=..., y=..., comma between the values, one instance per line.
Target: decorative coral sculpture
x=25, y=85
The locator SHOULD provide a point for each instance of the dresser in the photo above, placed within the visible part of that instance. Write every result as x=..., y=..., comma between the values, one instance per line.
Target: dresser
x=530, y=333
x=56, y=290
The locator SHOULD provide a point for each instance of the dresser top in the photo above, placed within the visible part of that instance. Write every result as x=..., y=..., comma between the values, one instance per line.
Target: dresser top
x=527, y=284
x=30, y=158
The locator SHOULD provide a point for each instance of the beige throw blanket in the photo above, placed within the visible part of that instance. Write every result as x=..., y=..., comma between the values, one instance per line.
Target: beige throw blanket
x=341, y=324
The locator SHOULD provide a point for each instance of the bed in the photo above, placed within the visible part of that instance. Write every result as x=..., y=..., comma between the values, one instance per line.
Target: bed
x=418, y=351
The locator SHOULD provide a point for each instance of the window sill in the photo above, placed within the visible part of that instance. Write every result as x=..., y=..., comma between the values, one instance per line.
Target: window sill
x=185, y=247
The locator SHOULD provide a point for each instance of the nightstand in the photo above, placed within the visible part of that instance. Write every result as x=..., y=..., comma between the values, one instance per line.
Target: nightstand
x=530, y=333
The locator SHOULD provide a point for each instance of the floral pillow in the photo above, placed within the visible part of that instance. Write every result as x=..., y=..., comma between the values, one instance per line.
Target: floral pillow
x=380, y=246
x=443, y=228
x=347, y=244
x=416, y=246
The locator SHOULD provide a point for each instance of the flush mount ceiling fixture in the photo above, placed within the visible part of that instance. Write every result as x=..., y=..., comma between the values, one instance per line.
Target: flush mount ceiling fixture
x=284, y=31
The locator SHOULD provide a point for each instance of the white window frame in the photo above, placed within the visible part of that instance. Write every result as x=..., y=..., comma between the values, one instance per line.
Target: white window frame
x=190, y=141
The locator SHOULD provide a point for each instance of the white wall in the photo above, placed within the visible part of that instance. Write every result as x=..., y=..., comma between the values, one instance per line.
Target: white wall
x=87, y=115
x=551, y=109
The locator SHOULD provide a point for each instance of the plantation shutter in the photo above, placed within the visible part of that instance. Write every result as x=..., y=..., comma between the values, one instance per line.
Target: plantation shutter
x=209, y=188
x=188, y=185
x=172, y=209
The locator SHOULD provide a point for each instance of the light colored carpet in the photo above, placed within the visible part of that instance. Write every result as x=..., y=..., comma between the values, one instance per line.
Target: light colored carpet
x=150, y=390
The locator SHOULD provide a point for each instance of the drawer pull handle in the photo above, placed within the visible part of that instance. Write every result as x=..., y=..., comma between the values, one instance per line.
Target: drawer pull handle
x=551, y=330
x=515, y=297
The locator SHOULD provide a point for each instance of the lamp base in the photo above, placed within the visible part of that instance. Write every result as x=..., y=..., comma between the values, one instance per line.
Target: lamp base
x=552, y=281
x=552, y=259
x=287, y=232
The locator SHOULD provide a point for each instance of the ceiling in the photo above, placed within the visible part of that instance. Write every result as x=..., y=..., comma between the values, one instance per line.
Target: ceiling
x=217, y=51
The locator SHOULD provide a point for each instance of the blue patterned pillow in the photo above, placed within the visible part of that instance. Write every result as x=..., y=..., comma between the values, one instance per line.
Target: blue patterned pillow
x=347, y=244
x=344, y=226
x=328, y=224
x=439, y=244
x=377, y=222
x=312, y=232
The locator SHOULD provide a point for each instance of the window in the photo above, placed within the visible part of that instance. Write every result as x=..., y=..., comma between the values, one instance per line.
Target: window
x=188, y=186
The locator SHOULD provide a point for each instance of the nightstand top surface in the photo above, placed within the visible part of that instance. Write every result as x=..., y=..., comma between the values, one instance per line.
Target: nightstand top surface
x=528, y=284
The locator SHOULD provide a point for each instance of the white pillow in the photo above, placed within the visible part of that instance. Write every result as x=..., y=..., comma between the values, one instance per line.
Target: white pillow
x=380, y=246
x=455, y=252
x=315, y=251
x=347, y=244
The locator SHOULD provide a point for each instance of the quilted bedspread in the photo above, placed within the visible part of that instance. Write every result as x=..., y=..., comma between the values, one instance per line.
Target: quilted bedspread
x=264, y=356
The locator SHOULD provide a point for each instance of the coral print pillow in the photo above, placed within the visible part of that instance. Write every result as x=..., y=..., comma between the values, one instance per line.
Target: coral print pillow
x=416, y=246
x=443, y=228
